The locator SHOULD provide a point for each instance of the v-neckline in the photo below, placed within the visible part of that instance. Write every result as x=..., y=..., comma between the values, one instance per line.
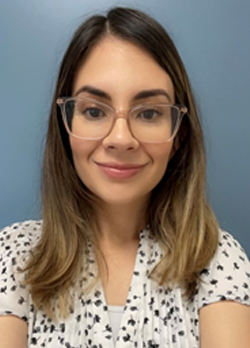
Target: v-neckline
x=133, y=302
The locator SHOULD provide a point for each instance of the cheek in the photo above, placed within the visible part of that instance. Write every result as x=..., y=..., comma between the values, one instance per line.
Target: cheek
x=81, y=151
x=160, y=155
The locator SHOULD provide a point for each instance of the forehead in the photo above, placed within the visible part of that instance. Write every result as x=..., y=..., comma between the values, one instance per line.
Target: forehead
x=120, y=67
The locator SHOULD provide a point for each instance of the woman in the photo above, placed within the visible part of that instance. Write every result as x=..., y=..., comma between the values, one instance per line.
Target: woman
x=129, y=253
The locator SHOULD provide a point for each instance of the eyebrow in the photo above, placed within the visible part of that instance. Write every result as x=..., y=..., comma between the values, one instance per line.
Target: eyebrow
x=95, y=91
x=141, y=95
x=151, y=93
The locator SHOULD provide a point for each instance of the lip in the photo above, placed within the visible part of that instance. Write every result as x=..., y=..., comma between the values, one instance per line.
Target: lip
x=120, y=171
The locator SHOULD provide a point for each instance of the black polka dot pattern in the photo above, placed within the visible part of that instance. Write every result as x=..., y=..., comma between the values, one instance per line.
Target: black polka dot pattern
x=154, y=316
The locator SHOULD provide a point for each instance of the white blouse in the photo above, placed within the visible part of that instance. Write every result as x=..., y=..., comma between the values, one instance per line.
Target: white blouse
x=154, y=316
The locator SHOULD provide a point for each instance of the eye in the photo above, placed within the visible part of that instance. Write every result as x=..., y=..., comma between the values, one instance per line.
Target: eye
x=93, y=112
x=148, y=114
x=90, y=111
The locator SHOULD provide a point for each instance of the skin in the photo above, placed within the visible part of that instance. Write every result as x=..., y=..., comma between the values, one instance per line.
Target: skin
x=225, y=324
x=121, y=70
x=13, y=332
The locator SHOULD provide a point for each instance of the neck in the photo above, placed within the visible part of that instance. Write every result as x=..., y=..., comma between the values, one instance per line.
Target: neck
x=119, y=224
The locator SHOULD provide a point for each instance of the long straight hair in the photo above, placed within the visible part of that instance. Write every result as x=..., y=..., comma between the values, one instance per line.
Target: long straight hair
x=178, y=214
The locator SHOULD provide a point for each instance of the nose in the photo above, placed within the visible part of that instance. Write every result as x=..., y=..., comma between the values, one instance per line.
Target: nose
x=120, y=137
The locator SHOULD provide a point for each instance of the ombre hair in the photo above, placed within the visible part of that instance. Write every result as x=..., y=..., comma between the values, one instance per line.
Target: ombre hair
x=179, y=215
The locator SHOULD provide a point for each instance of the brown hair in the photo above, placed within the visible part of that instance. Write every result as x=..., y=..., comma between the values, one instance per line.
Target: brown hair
x=178, y=214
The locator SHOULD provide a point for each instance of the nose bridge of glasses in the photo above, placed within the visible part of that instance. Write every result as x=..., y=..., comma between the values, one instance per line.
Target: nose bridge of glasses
x=121, y=123
x=121, y=126
x=121, y=113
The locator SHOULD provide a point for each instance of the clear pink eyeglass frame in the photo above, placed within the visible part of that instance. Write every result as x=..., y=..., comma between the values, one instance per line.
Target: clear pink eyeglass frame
x=119, y=114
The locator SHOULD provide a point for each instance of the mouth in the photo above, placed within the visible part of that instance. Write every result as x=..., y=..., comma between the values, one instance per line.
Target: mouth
x=122, y=171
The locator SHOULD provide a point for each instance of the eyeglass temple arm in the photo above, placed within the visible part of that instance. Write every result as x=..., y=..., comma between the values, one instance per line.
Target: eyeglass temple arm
x=183, y=110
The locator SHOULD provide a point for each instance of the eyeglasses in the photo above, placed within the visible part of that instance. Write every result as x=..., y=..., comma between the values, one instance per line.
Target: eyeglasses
x=88, y=119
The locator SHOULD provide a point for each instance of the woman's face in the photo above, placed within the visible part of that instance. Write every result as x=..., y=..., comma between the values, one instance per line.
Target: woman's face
x=119, y=169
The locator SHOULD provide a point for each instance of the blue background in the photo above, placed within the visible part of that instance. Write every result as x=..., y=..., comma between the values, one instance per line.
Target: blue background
x=213, y=40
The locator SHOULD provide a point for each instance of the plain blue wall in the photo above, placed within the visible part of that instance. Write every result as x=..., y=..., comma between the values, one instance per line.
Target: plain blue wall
x=213, y=40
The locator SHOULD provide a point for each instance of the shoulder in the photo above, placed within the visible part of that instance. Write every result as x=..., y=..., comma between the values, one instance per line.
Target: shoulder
x=227, y=276
x=16, y=244
x=20, y=238
x=230, y=255
x=227, y=241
